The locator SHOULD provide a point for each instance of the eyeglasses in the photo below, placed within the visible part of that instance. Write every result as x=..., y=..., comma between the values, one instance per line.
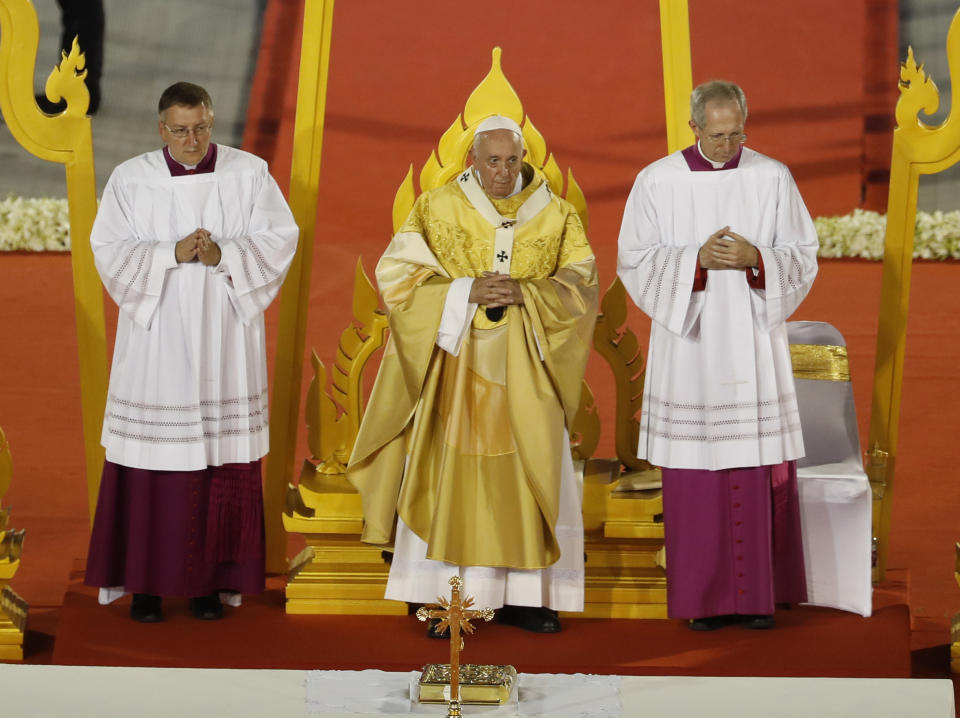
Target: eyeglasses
x=182, y=132
x=735, y=138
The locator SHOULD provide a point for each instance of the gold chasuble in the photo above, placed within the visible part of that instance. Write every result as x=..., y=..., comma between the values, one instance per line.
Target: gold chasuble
x=466, y=448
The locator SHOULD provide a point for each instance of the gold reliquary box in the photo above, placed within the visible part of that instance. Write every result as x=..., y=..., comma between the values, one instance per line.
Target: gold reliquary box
x=479, y=685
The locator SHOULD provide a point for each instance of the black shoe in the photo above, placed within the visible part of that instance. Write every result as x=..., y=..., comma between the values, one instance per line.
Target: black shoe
x=530, y=618
x=207, y=608
x=432, y=631
x=759, y=623
x=711, y=623
x=145, y=608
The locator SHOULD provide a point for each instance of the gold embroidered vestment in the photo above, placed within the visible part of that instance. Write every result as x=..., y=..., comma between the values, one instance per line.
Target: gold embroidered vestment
x=466, y=449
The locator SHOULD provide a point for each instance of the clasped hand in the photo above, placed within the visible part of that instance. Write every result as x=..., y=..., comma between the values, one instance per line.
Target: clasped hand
x=495, y=290
x=728, y=250
x=198, y=246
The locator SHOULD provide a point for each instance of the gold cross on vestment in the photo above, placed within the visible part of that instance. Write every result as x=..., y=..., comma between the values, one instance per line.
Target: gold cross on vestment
x=455, y=614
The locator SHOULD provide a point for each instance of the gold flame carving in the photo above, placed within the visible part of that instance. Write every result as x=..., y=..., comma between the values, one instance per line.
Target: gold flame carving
x=11, y=540
x=493, y=96
x=585, y=431
x=617, y=343
x=333, y=416
x=66, y=82
x=917, y=92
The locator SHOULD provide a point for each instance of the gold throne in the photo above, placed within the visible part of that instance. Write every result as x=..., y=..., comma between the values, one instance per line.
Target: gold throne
x=13, y=609
x=336, y=573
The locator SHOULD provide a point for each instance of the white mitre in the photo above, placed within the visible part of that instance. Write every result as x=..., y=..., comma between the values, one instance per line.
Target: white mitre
x=498, y=122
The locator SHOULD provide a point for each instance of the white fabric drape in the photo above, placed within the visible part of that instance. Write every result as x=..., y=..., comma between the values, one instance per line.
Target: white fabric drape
x=835, y=496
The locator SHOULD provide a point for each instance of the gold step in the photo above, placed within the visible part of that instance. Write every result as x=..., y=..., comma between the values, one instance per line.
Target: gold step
x=628, y=553
x=341, y=549
x=633, y=529
x=620, y=610
x=318, y=525
x=330, y=494
x=622, y=586
x=9, y=634
x=346, y=607
x=11, y=653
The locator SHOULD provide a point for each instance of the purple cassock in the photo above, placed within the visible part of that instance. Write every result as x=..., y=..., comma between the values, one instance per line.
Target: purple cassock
x=732, y=540
x=179, y=533
x=732, y=536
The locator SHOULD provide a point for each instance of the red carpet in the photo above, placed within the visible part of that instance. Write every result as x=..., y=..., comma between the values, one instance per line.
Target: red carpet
x=806, y=642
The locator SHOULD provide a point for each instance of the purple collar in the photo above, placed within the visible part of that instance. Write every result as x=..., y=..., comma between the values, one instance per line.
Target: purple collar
x=698, y=163
x=207, y=164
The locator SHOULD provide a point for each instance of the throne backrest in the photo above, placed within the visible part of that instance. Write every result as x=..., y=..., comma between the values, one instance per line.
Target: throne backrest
x=828, y=415
x=493, y=96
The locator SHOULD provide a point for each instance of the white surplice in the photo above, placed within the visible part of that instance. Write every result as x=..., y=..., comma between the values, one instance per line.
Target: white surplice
x=719, y=389
x=188, y=387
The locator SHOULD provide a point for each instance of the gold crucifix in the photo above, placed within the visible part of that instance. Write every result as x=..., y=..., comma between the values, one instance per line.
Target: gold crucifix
x=455, y=614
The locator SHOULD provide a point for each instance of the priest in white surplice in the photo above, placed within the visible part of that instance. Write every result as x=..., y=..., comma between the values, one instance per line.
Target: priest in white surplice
x=192, y=242
x=718, y=249
x=463, y=458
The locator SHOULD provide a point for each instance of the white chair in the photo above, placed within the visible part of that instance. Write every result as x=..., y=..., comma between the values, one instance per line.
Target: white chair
x=835, y=497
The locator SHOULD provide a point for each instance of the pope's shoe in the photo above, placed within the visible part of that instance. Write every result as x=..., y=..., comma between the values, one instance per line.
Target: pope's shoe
x=530, y=618
x=712, y=623
x=207, y=608
x=759, y=623
x=146, y=608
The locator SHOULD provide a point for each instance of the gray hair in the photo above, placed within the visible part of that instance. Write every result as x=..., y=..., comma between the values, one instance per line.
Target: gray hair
x=716, y=91
x=478, y=138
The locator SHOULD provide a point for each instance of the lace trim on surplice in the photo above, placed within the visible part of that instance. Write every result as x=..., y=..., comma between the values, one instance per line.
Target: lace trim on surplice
x=659, y=269
x=733, y=421
x=186, y=423
x=134, y=271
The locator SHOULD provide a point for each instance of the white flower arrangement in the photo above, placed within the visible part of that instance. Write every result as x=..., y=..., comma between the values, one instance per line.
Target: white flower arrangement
x=34, y=224
x=43, y=225
x=861, y=234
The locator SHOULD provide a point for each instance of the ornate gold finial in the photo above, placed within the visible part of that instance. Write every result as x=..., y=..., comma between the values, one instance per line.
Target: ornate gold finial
x=66, y=82
x=917, y=92
x=494, y=91
x=493, y=96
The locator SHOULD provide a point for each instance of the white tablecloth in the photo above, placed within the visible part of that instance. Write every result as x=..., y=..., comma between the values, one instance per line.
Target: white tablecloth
x=105, y=692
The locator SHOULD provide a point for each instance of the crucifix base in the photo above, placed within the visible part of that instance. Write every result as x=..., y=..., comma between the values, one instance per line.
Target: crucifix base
x=479, y=684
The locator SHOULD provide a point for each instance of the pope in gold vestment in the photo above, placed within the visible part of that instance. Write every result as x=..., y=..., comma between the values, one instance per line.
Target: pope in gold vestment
x=466, y=439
